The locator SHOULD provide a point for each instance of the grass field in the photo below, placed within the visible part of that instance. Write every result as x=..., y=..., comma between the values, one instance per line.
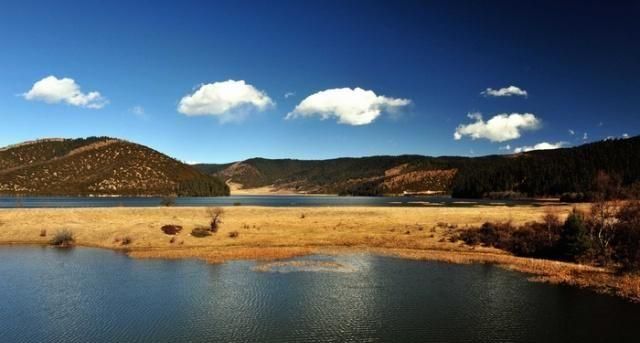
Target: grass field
x=268, y=233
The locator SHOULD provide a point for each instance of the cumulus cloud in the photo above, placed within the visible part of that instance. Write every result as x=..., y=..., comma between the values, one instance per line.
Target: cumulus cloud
x=53, y=90
x=500, y=128
x=222, y=98
x=506, y=147
x=540, y=146
x=350, y=106
x=625, y=135
x=506, y=91
x=585, y=136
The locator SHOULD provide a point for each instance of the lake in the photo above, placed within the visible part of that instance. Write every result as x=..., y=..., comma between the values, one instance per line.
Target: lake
x=253, y=200
x=93, y=295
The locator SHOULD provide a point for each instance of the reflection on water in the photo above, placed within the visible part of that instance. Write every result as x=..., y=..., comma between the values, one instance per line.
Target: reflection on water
x=253, y=200
x=90, y=295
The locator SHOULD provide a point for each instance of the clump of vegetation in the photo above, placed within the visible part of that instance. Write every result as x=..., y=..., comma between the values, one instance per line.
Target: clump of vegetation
x=608, y=235
x=200, y=232
x=168, y=201
x=126, y=240
x=43, y=233
x=171, y=229
x=302, y=215
x=215, y=213
x=63, y=239
x=234, y=234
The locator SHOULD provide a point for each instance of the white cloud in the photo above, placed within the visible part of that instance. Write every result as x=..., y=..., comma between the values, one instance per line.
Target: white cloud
x=571, y=132
x=625, y=135
x=222, y=98
x=506, y=91
x=585, y=136
x=500, y=128
x=350, y=106
x=506, y=147
x=540, y=146
x=53, y=90
x=289, y=94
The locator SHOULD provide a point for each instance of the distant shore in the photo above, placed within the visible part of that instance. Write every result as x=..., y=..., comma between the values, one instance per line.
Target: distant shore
x=269, y=233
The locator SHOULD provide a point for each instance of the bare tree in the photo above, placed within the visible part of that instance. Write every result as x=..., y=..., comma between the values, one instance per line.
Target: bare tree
x=215, y=213
x=602, y=228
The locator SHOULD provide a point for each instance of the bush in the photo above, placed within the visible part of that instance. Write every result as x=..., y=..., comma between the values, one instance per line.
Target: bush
x=171, y=229
x=234, y=234
x=200, y=232
x=43, y=233
x=126, y=240
x=63, y=239
x=489, y=234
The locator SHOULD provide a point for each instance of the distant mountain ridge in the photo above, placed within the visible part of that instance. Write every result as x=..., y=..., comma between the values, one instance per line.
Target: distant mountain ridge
x=534, y=173
x=98, y=166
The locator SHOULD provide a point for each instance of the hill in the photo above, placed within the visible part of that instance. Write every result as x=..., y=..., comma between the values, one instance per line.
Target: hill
x=534, y=173
x=98, y=166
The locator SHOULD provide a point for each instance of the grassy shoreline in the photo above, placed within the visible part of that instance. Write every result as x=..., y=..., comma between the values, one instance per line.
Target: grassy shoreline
x=269, y=233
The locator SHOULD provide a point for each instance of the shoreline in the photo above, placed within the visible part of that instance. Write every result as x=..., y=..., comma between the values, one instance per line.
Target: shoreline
x=276, y=233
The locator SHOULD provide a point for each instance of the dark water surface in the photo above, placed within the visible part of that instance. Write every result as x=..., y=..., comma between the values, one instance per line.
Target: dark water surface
x=254, y=200
x=92, y=295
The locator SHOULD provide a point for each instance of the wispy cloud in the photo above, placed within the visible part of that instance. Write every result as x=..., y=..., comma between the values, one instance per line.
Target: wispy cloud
x=505, y=91
x=500, y=128
x=53, y=90
x=139, y=112
x=350, y=106
x=287, y=95
x=571, y=132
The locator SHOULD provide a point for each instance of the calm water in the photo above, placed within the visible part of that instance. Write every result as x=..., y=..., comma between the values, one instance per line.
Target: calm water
x=256, y=200
x=91, y=295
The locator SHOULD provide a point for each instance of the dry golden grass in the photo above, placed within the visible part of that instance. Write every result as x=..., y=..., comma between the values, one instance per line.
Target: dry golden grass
x=268, y=233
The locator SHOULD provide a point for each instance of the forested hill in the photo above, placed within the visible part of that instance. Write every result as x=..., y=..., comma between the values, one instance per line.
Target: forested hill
x=535, y=173
x=98, y=166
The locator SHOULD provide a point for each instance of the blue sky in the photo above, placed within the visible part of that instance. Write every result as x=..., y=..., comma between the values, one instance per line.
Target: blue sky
x=421, y=65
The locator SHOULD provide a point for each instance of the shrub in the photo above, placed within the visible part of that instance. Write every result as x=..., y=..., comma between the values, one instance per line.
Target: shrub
x=43, y=233
x=200, y=232
x=63, y=239
x=535, y=240
x=234, y=234
x=489, y=234
x=126, y=240
x=171, y=229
